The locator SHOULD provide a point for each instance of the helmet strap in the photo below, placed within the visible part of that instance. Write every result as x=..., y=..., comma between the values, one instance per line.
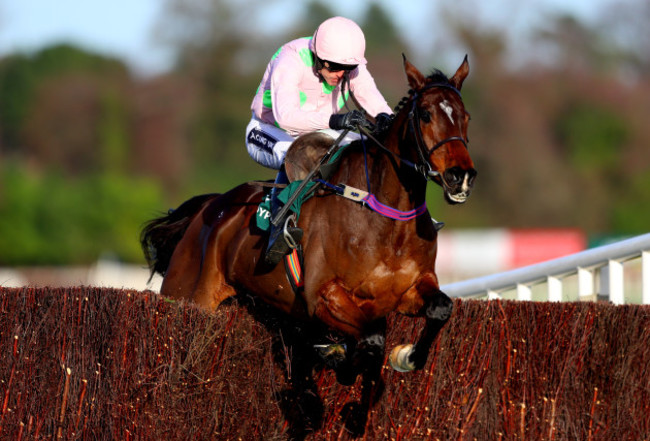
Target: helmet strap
x=344, y=84
x=318, y=64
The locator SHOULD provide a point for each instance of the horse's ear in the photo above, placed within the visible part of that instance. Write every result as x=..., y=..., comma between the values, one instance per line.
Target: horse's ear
x=460, y=75
x=415, y=78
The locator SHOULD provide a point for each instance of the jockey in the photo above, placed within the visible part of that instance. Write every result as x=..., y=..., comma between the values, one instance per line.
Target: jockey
x=301, y=92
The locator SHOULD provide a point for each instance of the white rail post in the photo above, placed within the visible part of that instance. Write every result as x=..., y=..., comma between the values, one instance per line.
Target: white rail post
x=615, y=286
x=600, y=273
x=645, y=277
x=585, y=283
x=554, y=289
x=493, y=295
x=524, y=292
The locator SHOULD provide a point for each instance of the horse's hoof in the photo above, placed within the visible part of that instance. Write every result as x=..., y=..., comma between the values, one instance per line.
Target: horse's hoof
x=333, y=354
x=399, y=358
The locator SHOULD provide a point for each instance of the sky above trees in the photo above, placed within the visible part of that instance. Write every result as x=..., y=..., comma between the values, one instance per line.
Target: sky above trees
x=128, y=29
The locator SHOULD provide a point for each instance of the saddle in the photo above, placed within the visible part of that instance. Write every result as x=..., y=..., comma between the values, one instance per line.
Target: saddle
x=305, y=154
x=302, y=159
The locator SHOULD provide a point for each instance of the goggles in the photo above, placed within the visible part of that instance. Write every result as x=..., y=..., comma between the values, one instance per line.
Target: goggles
x=336, y=67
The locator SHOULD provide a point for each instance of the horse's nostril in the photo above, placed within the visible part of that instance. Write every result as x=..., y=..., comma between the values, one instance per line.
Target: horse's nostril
x=454, y=175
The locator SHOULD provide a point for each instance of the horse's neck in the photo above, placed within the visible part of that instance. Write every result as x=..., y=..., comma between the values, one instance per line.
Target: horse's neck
x=392, y=182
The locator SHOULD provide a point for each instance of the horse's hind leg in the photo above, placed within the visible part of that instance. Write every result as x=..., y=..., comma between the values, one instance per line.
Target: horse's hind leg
x=196, y=273
x=335, y=308
x=300, y=403
x=212, y=288
x=365, y=355
x=367, y=360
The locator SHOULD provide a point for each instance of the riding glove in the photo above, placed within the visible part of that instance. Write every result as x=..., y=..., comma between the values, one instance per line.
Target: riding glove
x=350, y=120
x=383, y=122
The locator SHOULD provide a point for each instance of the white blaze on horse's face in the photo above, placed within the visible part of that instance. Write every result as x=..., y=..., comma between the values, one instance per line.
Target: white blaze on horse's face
x=448, y=110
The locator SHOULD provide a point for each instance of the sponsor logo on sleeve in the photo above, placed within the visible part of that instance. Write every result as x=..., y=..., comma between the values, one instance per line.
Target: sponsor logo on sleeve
x=262, y=140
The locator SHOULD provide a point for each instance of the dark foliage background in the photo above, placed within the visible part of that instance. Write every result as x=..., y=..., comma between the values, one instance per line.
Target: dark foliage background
x=89, y=150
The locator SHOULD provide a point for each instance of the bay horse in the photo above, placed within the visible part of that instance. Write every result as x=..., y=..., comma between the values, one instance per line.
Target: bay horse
x=359, y=265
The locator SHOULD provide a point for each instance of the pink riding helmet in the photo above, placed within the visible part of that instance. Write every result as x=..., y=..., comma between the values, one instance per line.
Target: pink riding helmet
x=340, y=40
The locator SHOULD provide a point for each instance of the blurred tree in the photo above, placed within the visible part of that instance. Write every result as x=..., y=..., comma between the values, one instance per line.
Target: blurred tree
x=113, y=132
x=575, y=46
x=314, y=14
x=16, y=89
x=564, y=128
x=52, y=107
x=593, y=137
x=163, y=108
x=67, y=129
x=60, y=129
x=381, y=34
x=50, y=219
x=384, y=49
x=209, y=37
x=626, y=24
x=632, y=206
x=21, y=76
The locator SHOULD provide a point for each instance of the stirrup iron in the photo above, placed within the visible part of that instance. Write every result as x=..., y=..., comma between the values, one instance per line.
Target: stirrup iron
x=287, y=235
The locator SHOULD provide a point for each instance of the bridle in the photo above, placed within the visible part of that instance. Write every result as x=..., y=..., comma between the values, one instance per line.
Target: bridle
x=414, y=124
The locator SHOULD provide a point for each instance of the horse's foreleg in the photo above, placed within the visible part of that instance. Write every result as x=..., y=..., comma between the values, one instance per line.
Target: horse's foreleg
x=437, y=311
x=335, y=308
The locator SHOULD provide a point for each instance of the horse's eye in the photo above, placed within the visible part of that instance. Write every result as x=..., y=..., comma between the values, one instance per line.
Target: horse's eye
x=425, y=116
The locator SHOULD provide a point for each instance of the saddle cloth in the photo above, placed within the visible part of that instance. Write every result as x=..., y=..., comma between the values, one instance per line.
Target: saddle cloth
x=263, y=216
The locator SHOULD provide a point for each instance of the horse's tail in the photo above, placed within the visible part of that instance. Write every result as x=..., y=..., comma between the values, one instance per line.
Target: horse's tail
x=160, y=236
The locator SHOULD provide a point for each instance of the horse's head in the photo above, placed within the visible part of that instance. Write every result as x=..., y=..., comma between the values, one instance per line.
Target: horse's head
x=437, y=123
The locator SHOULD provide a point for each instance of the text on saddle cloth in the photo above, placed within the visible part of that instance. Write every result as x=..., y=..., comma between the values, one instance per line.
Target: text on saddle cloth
x=263, y=217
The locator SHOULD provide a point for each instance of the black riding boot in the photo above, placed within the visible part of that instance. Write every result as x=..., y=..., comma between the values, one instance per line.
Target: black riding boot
x=278, y=245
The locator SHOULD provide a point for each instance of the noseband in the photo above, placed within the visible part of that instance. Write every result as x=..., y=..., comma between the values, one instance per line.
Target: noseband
x=414, y=124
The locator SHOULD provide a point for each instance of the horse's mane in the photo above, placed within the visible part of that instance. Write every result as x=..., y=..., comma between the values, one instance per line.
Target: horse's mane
x=436, y=76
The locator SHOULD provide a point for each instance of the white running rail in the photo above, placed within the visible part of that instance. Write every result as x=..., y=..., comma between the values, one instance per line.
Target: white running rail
x=605, y=261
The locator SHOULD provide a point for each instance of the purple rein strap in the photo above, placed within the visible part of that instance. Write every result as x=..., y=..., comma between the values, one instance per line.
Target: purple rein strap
x=372, y=202
x=369, y=200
